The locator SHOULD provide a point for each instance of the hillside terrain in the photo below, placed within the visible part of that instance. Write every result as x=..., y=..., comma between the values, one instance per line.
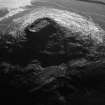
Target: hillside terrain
x=50, y=56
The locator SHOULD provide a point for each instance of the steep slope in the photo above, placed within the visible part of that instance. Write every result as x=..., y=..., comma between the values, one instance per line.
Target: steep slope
x=51, y=56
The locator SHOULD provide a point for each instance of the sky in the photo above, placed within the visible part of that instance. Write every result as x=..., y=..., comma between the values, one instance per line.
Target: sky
x=10, y=4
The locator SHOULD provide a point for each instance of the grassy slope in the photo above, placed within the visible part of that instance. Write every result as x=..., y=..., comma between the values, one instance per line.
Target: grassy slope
x=96, y=11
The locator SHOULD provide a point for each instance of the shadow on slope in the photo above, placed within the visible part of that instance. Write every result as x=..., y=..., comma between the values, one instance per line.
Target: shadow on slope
x=93, y=1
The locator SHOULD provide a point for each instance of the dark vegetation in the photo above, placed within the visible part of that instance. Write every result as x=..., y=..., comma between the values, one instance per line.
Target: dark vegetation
x=48, y=67
x=3, y=12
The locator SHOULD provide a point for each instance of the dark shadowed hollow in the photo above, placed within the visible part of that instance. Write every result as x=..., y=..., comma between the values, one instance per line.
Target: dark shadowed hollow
x=47, y=43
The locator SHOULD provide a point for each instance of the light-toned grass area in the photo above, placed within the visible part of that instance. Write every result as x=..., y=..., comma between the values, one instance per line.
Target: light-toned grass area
x=95, y=11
